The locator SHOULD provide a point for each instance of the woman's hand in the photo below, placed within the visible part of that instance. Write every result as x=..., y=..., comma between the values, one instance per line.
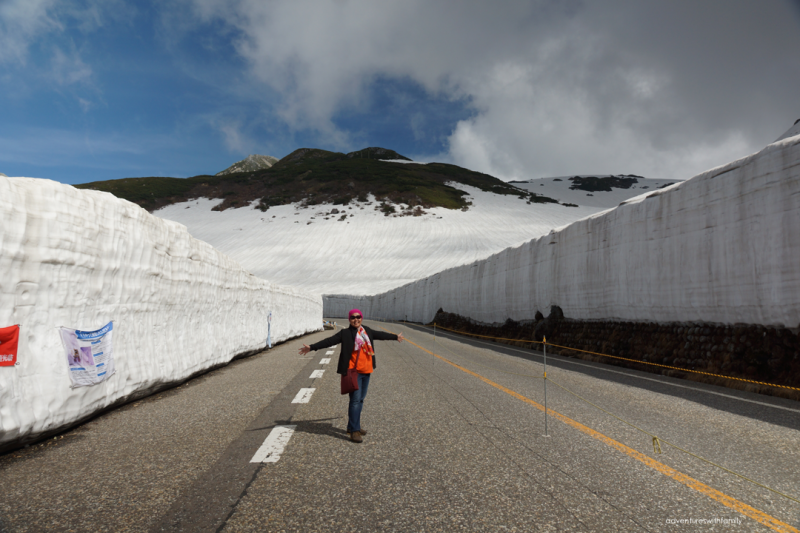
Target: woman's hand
x=304, y=350
x=400, y=337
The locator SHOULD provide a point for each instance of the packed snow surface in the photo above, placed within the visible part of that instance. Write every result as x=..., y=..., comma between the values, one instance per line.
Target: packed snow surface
x=81, y=258
x=558, y=188
x=367, y=252
x=721, y=247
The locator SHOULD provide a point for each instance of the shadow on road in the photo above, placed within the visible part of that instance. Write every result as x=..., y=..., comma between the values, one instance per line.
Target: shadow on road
x=316, y=427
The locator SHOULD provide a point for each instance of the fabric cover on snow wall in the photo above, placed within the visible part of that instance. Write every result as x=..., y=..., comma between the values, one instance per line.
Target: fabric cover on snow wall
x=80, y=259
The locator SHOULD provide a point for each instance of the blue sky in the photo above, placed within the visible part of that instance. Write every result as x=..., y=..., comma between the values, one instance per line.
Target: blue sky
x=94, y=90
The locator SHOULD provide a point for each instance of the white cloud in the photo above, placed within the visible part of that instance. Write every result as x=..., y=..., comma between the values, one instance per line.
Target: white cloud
x=660, y=89
x=86, y=105
x=20, y=22
x=69, y=68
x=235, y=140
x=24, y=22
x=58, y=147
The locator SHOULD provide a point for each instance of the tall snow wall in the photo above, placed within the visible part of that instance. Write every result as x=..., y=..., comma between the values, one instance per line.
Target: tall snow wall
x=721, y=247
x=80, y=259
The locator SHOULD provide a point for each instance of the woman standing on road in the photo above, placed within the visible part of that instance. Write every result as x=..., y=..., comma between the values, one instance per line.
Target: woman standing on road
x=356, y=344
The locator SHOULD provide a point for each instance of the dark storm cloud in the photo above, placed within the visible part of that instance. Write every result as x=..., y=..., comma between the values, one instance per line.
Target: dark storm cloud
x=725, y=66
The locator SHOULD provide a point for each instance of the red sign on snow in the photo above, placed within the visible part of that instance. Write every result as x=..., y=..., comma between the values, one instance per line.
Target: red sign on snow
x=9, y=340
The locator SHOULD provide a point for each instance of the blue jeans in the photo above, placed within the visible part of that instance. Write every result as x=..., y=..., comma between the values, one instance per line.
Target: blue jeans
x=357, y=403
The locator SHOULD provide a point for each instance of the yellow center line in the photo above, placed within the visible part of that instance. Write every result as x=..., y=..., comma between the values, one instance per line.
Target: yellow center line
x=714, y=494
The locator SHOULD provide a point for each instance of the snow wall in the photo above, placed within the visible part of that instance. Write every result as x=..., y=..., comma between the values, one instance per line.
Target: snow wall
x=721, y=247
x=81, y=258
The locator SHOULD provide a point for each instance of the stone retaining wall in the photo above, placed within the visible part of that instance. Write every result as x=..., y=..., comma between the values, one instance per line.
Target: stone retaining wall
x=746, y=351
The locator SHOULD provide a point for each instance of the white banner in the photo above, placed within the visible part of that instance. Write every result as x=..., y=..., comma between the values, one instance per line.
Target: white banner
x=89, y=355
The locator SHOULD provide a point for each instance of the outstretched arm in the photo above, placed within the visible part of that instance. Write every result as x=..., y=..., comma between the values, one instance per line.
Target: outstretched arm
x=324, y=343
x=385, y=336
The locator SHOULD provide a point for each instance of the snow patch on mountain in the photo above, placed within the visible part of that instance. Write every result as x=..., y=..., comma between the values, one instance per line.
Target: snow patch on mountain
x=357, y=248
x=561, y=188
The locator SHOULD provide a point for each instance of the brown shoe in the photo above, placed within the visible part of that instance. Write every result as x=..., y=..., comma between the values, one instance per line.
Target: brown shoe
x=362, y=431
x=355, y=436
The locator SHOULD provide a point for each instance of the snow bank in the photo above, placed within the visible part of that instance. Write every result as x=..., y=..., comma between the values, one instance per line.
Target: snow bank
x=83, y=258
x=721, y=247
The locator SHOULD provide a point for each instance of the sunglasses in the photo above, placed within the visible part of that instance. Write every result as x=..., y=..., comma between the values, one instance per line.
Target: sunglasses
x=355, y=317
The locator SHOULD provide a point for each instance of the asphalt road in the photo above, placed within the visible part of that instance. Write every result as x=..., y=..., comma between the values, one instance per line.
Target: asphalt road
x=456, y=442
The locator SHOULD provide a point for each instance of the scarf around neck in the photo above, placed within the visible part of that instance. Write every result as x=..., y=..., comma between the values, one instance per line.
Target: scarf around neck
x=362, y=341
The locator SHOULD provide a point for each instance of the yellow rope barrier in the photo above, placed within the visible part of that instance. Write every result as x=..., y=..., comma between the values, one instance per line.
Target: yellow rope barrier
x=678, y=368
x=488, y=336
x=656, y=445
x=657, y=441
x=627, y=359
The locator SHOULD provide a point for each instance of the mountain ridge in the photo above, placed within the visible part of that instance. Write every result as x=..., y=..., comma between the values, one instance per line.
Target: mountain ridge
x=312, y=176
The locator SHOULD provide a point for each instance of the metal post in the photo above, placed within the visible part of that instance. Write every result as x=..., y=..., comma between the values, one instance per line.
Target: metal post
x=433, y=359
x=544, y=343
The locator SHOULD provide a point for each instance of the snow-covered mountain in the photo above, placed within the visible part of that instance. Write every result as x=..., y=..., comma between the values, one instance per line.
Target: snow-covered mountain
x=357, y=249
x=250, y=163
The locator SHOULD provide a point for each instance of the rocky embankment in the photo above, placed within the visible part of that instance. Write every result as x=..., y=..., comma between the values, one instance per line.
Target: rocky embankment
x=745, y=351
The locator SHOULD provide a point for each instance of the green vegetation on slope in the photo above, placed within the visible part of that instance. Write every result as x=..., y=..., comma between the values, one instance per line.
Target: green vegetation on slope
x=312, y=176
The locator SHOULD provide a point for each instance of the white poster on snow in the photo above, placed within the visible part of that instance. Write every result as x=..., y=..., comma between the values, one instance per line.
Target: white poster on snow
x=89, y=355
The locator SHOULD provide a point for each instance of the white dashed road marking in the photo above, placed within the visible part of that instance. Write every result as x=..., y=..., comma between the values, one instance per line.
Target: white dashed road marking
x=325, y=360
x=317, y=374
x=329, y=352
x=273, y=446
x=303, y=396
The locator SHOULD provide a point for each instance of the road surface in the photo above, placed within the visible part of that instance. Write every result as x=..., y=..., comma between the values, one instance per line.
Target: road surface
x=456, y=442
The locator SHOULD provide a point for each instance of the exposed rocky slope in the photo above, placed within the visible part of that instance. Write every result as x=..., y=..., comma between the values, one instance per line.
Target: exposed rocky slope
x=251, y=163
